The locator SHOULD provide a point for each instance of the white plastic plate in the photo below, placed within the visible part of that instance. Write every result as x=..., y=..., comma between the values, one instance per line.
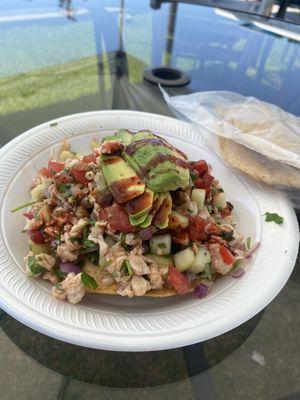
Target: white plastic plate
x=139, y=324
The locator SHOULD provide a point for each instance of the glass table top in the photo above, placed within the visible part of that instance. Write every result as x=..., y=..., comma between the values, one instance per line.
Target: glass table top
x=63, y=57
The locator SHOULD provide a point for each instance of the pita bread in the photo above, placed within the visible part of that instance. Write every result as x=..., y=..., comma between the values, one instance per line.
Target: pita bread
x=97, y=274
x=258, y=166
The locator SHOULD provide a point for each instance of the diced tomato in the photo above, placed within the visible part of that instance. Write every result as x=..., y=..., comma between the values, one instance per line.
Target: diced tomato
x=56, y=166
x=181, y=238
x=28, y=215
x=213, y=229
x=63, y=178
x=201, y=167
x=46, y=172
x=78, y=171
x=225, y=212
x=227, y=257
x=178, y=281
x=91, y=158
x=36, y=236
x=117, y=218
x=204, y=182
x=197, y=229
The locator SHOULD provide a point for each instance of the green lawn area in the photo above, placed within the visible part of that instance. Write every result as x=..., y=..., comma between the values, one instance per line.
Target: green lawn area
x=59, y=83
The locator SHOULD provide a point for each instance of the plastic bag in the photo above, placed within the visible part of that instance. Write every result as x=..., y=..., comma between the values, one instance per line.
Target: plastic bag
x=255, y=137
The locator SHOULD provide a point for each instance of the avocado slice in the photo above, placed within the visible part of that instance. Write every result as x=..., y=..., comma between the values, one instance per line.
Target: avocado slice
x=138, y=220
x=121, y=179
x=141, y=204
x=157, y=162
x=158, y=200
x=124, y=136
x=139, y=207
x=161, y=219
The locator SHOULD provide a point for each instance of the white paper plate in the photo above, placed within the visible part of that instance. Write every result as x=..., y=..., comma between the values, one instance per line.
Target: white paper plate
x=140, y=324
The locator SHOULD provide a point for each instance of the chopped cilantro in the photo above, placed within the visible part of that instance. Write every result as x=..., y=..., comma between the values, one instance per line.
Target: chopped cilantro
x=88, y=281
x=207, y=273
x=248, y=242
x=86, y=242
x=209, y=208
x=75, y=239
x=162, y=245
x=30, y=203
x=273, y=217
x=58, y=287
x=34, y=267
x=63, y=187
x=125, y=246
x=127, y=267
x=59, y=273
x=81, y=263
x=93, y=257
x=236, y=265
x=227, y=235
x=92, y=222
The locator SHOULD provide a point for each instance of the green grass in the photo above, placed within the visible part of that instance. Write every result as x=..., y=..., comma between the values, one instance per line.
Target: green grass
x=48, y=86
x=59, y=83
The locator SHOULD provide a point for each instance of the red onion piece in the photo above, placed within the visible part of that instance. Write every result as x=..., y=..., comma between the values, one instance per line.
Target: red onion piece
x=68, y=267
x=146, y=234
x=201, y=290
x=238, y=273
x=252, y=250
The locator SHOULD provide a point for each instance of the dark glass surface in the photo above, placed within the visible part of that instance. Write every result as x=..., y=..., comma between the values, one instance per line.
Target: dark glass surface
x=63, y=57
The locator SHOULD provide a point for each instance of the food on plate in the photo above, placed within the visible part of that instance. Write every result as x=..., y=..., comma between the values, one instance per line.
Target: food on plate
x=133, y=218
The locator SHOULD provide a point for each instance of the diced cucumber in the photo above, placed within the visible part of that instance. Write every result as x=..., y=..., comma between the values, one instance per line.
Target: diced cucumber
x=202, y=258
x=38, y=192
x=161, y=245
x=198, y=195
x=45, y=213
x=109, y=241
x=177, y=220
x=161, y=261
x=184, y=259
x=219, y=200
x=40, y=248
x=66, y=154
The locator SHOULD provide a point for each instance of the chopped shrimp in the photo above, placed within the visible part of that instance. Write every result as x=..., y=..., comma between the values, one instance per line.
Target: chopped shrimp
x=65, y=254
x=78, y=228
x=138, y=265
x=156, y=281
x=45, y=260
x=50, y=276
x=70, y=289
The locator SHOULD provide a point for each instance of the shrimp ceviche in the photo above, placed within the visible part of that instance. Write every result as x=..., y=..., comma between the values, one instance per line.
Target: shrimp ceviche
x=133, y=218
